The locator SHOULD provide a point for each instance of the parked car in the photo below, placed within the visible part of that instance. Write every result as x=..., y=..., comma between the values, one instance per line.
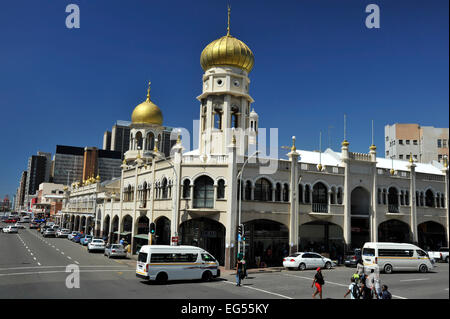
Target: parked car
x=20, y=226
x=115, y=250
x=43, y=229
x=352, y=259
x=49, y=232
x=72, y=234
x=11, y=221
x=307, y=260
x=10, y=229
x=96, y=244
x=63, y=232
x=439, y=255
x=34, y=226
x=85, y=240
x=77, y=237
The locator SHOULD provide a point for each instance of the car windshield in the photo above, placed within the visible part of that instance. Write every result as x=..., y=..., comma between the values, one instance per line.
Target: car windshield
x=368, y=252
x=98, y=241
x=117, y=246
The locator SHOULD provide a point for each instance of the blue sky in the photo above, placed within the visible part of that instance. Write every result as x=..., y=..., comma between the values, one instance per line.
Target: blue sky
x=314, y=61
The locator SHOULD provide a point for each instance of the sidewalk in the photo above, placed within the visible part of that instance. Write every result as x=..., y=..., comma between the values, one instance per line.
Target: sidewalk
x=232, y=272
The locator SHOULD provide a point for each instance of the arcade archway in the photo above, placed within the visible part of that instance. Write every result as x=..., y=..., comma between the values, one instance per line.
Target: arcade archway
x=431, y=236
x=394, y=231
x=205, y=233
x=322, y=237
x=162, y=231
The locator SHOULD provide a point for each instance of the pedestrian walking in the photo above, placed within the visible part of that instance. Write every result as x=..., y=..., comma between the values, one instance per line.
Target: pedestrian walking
x=385, y=294
x=239, y=272
x=122, y=241
x=366, y=292
x=318, y=282
x=353, y=289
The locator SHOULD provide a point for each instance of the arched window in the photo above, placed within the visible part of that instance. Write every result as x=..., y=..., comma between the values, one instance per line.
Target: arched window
x=204, y=192
x=333, y=195
x=307, y=194
x=402, y=198
x=379, y=196
x=278, y=192
x=186, y=189
x=218, y=119
x=144, y=195
x=139, y=140
x=150, y=141
x=417, y=198
x=438, y=200
x=164, y=188
x=248, y=190
x=421, y=199
x=319, y=198
x=339, y=196
x=286, y=193
x=263, y=190
x=384, y=196
x=443, y=200
x=429, y=198
x=221, y=189
x=393, y=200
x=300, y=193
x=407, y=198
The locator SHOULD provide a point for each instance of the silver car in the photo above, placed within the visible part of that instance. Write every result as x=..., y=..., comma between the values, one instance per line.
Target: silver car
x=49, y=232
x=115, y=250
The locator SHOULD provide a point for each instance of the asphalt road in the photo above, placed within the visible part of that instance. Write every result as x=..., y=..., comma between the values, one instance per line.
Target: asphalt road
x=35, y=267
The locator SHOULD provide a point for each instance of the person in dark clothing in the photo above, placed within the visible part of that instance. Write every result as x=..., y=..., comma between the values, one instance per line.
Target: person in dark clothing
x=318, y=282
x=239, y=271
x=366, y=292
x=385, y=294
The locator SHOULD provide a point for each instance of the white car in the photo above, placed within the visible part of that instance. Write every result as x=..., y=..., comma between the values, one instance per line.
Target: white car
x=21, y=226
x=307, y=260
x=11, y=230
x=62, y=232
x=96, y=245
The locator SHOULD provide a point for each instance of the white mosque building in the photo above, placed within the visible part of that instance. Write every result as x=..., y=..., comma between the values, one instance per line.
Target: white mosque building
x=328, y=202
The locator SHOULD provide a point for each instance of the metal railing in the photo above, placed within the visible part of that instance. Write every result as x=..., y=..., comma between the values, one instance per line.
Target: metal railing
x=319, y=208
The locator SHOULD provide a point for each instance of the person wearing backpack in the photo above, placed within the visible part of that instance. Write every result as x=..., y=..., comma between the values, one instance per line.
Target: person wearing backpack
x=318, y=282
x=353, y=289
x=366, y=292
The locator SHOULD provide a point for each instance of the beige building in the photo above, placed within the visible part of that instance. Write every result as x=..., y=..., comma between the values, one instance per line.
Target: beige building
x=424, y=143
x=328, y=201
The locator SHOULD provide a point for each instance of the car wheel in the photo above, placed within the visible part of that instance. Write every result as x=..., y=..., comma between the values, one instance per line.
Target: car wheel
x=328, y=265
x=207, y=275
x=446, y=260
x=388, y=269
x=423, y=268
x=161, y=278
x=302, y=266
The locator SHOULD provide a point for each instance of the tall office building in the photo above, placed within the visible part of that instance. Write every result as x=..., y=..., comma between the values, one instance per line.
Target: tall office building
x=20, y=196
x=76, y=164
x=107, y=140
x=36, y=173
x=424, y=143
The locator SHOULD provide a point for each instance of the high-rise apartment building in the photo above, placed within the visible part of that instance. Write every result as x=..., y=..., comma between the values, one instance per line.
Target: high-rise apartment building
x=68, y=164
x=424, y=143
x=107, y=141
x=36, y=174
x=20, y=196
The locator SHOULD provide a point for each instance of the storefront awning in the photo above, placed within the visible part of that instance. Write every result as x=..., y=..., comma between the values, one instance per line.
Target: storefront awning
x=142, y=236
x=125, y=233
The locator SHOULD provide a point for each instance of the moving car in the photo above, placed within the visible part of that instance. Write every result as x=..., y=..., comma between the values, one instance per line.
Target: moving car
x=49, y=232
x=163, y=262
x=307, y=260
x=396, y=257
x=85, y=239
x=440, y=255
x=62, y=232
x=72, y=234
x=10, y=229
x=76, y=238
x=115, y=250
x=34, y=226
x=10, y=221
x=20, y=226
x=351, y=260
x=96, y=244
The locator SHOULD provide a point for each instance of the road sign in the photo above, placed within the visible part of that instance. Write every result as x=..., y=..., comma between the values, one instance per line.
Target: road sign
x=175, y=239
x=239, y=237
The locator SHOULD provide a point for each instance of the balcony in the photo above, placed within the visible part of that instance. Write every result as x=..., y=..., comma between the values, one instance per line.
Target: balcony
x=319, y=208
x=393, y=209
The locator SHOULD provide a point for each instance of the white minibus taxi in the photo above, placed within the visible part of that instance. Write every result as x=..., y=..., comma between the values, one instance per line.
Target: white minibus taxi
x=164, y=262
x=396, y=257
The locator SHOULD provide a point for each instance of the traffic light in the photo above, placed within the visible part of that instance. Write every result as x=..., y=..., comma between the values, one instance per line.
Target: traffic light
x=152, y=228
x=240, y=230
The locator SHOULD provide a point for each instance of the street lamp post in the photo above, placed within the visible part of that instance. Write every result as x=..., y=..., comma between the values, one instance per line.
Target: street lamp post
x=239, y=177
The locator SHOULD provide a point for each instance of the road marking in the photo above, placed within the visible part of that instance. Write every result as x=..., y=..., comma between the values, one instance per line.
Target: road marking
x=69, y=257
x=31, y=254
x=95, y=266
x=63, y=271
x=268, y=292
x=77, y=262
x=34, y=258
x=415, y=279
x=57, y=249
x=38, y=263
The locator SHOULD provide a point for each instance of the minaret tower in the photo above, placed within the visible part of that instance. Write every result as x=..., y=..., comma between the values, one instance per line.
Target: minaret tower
x=225, y=100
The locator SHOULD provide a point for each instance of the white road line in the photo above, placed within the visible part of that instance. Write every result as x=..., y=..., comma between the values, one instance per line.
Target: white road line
x=34, y=258
x=77, y=262
x=267, y=292
x=57, y=249
x=69, y=257
x=31, y=254
x=39, y=264
x=415, y=279
x=63, y=271
x=95, y=266
x=62, y=252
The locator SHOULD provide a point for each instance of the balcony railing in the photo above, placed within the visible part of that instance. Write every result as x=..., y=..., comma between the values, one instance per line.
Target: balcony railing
x=393, y=209
x=319, y=208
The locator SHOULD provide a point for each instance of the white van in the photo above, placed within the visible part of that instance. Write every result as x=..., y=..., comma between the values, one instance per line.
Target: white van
x=163, y=262
x=396, y=256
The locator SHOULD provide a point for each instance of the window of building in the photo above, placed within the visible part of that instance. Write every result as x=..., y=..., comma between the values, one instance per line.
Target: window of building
x=407, y=142
x=408, y=156
x=439, y=143
x=186, y=188
x=415, y=157
x=400, y=142
x=439, y=157
x=444, y=143
x=400, y=156
x=387, y=153
x=221, y=189
x=204, y=192
x=387, y=138
x=415, y=142
x=263, y=190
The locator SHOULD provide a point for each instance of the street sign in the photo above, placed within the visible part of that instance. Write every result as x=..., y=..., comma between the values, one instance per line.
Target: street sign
x=175, y=239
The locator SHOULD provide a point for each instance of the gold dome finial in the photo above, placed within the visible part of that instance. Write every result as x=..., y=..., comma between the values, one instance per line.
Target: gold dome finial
x=228, y=27
x=98, y=178
x=124, y=162
x=445, y=161
x=372, y=147
x=148, y=91
x=155, y=148
x=293, y=148
x=233, y=140
x=411, y=158
x=392, y=171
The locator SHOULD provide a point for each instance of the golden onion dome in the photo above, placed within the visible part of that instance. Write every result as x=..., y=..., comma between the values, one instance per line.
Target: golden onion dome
x=227, y=51
x=147, y=112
